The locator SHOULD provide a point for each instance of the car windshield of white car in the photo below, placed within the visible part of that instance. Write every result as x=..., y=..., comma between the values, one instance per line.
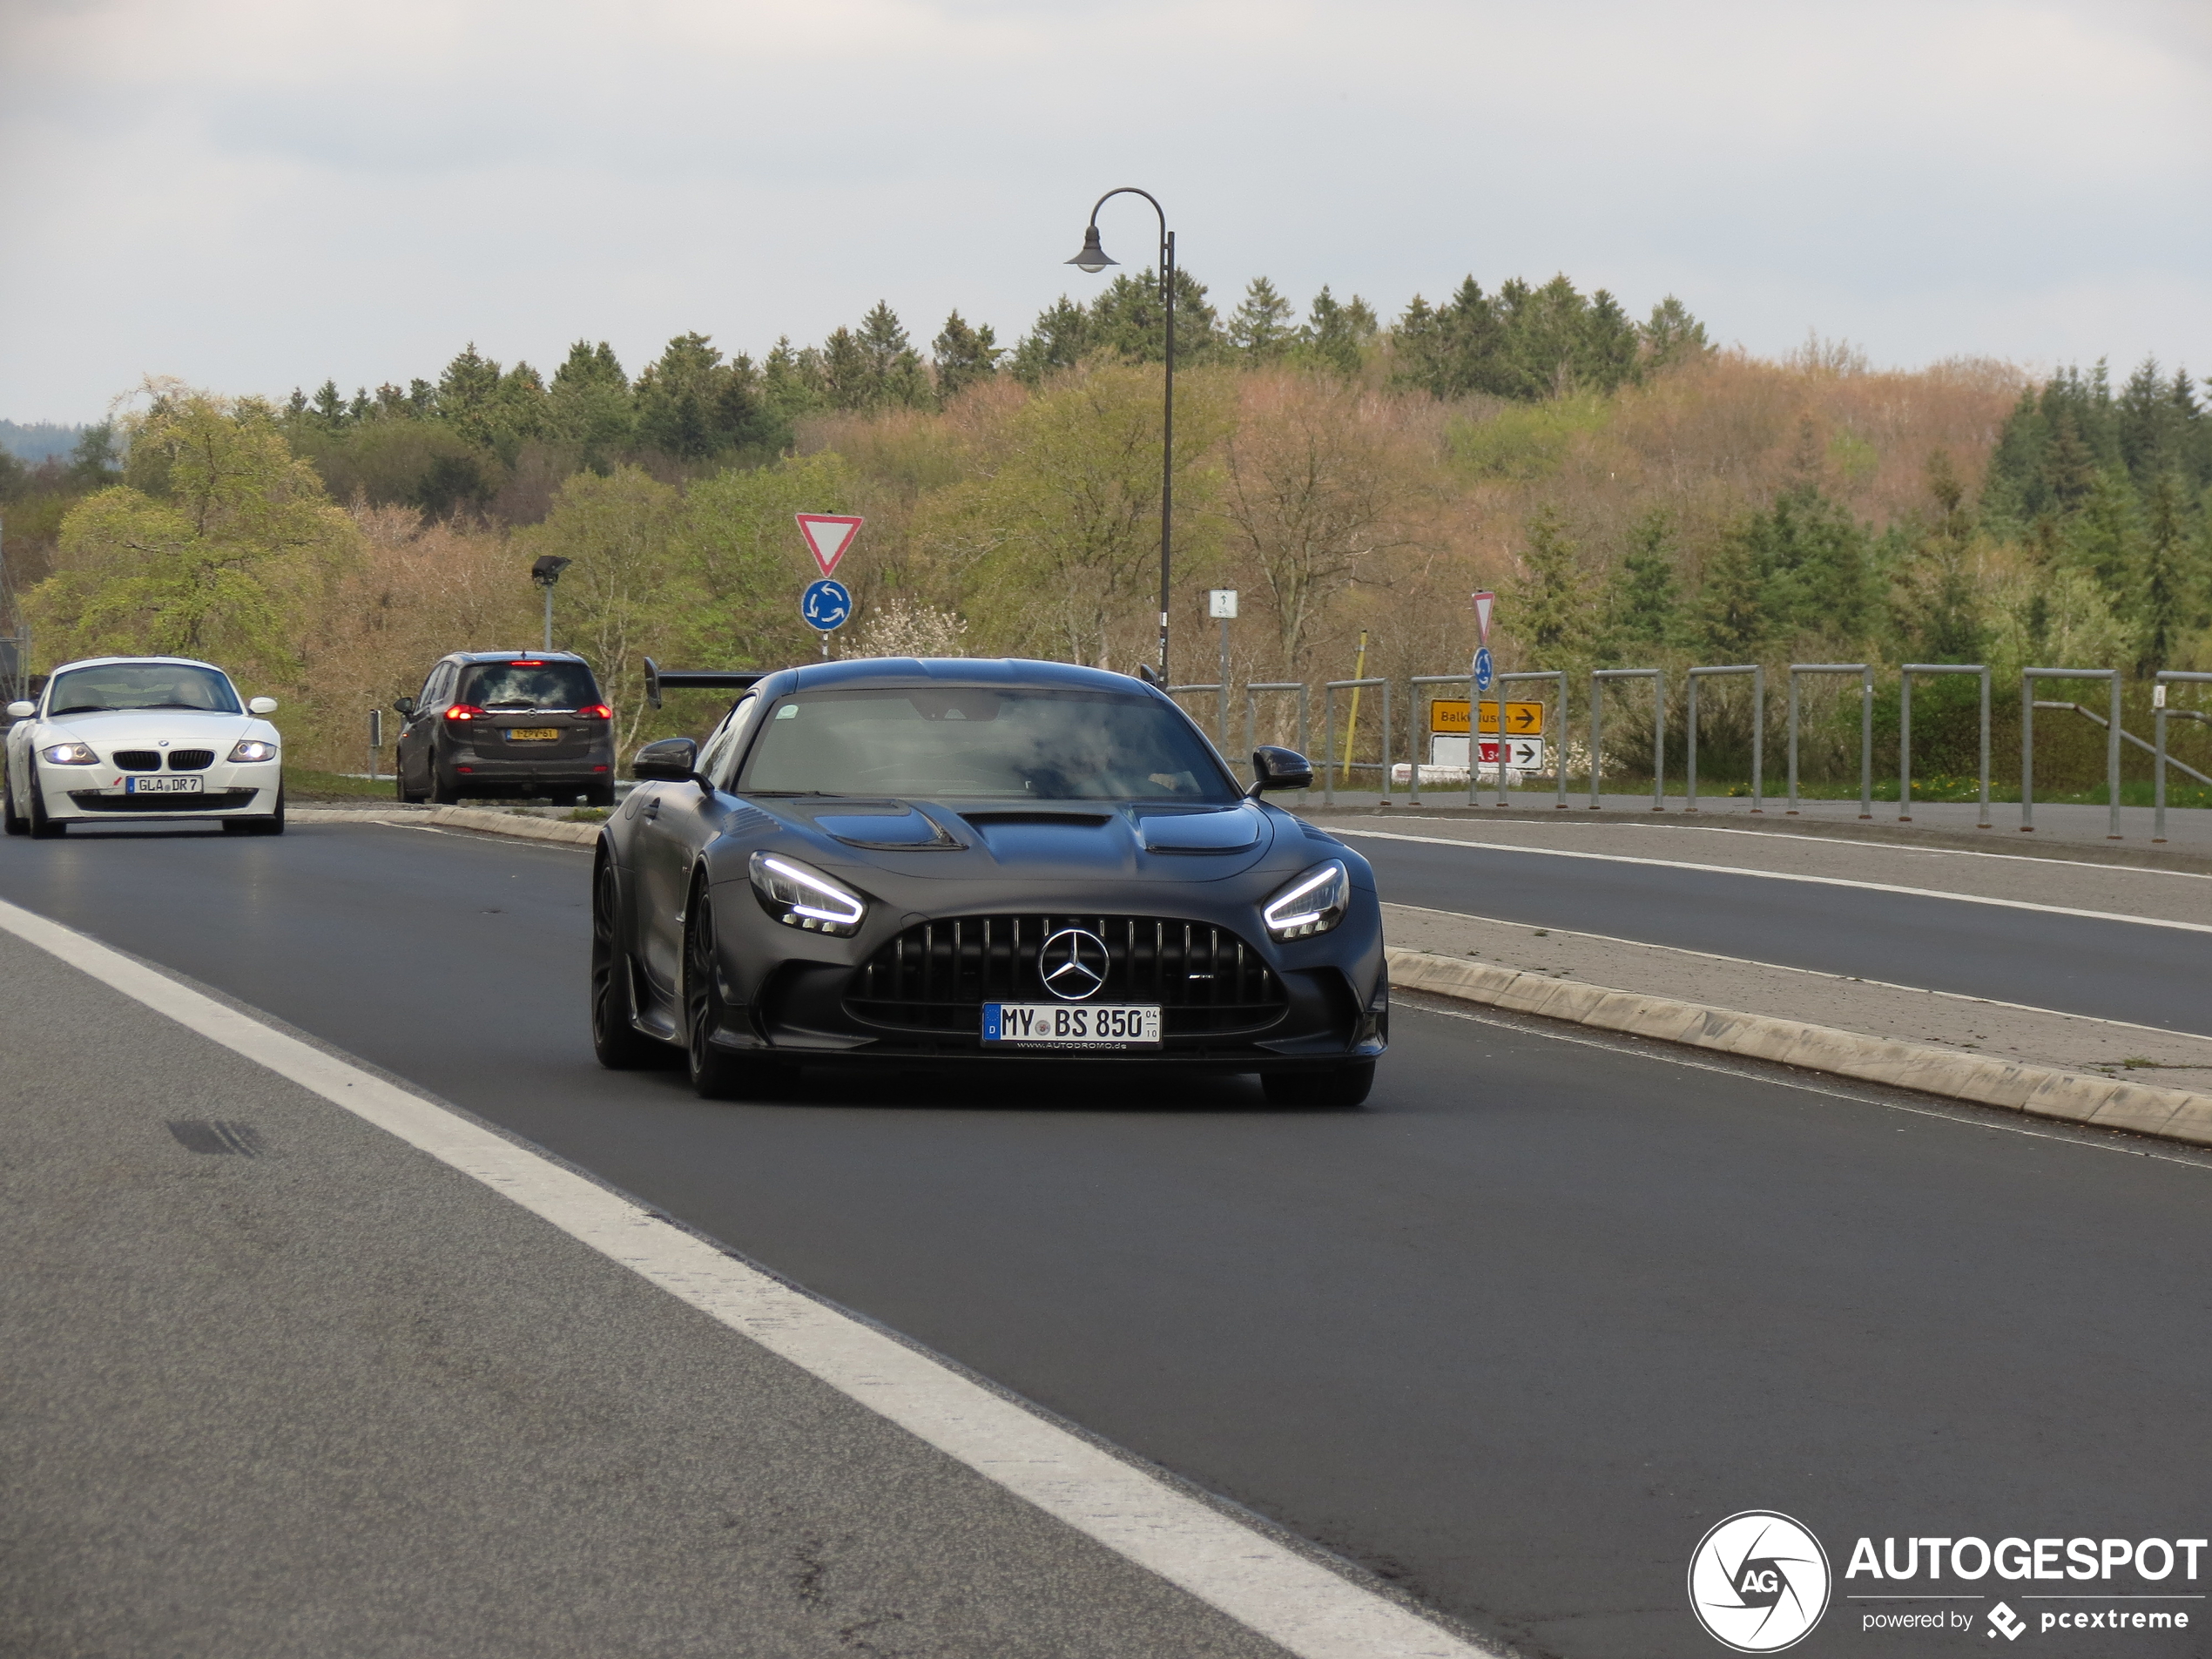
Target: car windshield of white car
x=977, y=741
x=528, y=685
x=140, y=685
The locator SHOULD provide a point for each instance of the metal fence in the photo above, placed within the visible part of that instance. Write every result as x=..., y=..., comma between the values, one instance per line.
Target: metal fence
x=1344, y=722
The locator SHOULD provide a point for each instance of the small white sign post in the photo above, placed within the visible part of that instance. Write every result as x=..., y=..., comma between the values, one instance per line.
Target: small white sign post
x=1221, y=605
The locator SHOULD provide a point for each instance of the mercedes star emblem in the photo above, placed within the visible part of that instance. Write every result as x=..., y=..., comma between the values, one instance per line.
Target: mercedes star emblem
x=1072, y=963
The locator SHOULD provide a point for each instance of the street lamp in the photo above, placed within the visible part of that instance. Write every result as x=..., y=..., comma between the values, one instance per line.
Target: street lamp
x=545, y=573
x=1093, y=259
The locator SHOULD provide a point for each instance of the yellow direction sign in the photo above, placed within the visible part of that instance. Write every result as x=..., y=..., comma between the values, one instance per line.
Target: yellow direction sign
x=1449, y=715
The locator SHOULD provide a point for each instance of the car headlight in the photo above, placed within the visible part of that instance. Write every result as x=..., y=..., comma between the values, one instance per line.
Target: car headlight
x=801, y=896
x=1312, y=904
x=70, y=754
x=252, y=749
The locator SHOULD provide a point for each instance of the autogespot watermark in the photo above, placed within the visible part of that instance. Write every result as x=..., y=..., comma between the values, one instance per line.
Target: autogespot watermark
x=1759, y=1581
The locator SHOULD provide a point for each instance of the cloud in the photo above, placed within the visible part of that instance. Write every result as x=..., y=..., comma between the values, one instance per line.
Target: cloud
x=255, y=194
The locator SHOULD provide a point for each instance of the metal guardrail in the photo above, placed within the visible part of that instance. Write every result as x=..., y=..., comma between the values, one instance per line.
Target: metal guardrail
x=2169, y=677
x=1598, y=677
x=2028, y=706
x=1427, y=731
x=1559, y=762
x=1329, y=691
x=1904, y=732
x=1865, y=729
x=1758, y=726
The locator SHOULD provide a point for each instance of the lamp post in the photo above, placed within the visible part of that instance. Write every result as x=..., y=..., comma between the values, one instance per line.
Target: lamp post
x=545, y=573
x=1093, y=259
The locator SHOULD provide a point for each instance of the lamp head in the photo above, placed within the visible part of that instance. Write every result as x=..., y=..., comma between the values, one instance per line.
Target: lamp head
x=547, y=570
x=1093, y=258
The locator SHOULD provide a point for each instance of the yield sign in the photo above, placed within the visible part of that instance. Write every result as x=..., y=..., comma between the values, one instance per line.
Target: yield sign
x=1482, y=604
x=827, y=536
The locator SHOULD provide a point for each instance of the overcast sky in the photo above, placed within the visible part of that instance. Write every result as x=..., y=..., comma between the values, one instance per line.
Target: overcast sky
x=254, y=194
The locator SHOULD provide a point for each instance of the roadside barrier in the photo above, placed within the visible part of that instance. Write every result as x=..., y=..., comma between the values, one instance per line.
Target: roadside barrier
x=1758, y=726
x=1904, y=732
x=1598, y=677
x=1865, y=729
x=1329, y=691
x=1417, y=720
x=2159, y=711
x=1557, y=726
x=2028, y=706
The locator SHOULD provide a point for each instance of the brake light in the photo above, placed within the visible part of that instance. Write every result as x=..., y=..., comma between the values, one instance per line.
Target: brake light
x=595, y=712
x=465, y=711
x=527, y=661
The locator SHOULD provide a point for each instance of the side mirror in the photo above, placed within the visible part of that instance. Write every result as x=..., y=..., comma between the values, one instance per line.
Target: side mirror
x=672, y=760
x=261, y=705
x=404, y=707
x=21, y=710
x=1274, y=768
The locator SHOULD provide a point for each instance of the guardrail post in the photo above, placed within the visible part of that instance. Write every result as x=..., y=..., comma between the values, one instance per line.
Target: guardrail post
x=1417, y=721
x=1904, y=732
x=1559, y=766
x=1658, y=727
x=1758, y=726
x=1865, y=672
x=2169, y=677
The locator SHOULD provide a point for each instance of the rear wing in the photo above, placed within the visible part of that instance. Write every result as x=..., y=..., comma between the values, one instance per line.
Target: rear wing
x=660, y=679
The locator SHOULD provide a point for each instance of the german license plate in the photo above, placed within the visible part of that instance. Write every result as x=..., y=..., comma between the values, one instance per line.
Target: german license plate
x=533, y=734
x=1072, y=1025
x=187, y=784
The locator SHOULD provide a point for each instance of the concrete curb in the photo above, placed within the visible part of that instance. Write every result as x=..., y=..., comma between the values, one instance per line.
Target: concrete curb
x=473, y=818
x=2039, y=1091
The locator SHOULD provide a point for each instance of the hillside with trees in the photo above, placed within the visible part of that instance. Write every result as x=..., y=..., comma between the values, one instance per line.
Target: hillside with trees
x=1636, y=496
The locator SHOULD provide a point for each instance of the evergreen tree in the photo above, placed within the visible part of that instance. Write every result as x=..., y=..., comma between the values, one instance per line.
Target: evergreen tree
x=1643, y=601
x=962, y=355
x=1731, y=623
x=2165, y=579
x=1936, y=606
x=1551, y=600
x=1673, y=335
x=1261, y=327
x=1062, y=337
x=589, y=404
x=1334, y=333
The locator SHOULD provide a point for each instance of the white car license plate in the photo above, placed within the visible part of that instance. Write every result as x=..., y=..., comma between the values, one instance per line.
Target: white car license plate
x=185, y=785
x=1072, y=1025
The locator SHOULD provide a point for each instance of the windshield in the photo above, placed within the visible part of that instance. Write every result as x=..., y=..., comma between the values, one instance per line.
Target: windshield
x=956, y=741
x=141, y=686
x=529, y=685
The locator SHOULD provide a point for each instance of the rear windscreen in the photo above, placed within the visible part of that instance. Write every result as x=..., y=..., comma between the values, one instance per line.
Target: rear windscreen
x=529, y=685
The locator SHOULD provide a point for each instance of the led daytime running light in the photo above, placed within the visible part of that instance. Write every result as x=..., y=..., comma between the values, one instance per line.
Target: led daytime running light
x=1312, y=904
x=800, y=897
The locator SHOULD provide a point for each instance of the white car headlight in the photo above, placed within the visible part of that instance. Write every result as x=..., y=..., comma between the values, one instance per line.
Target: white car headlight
x=252, y=749
x=69, y=754
x=801, y=896
x=1312, y=904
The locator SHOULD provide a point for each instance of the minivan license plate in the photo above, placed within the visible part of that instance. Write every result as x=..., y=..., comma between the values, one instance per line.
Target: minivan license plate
x=533, y=734
x=169, y=785
x=1072, y=1025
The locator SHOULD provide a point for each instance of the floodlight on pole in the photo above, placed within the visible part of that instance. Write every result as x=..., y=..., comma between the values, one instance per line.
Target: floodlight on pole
x=1093, y=259
x=545, y=573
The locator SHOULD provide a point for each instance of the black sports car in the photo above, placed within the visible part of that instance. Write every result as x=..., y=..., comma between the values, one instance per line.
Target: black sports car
x=999, y=863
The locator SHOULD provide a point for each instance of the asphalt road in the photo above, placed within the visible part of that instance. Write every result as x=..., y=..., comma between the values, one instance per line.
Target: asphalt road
x=2110, y=970
x=1515, y=1335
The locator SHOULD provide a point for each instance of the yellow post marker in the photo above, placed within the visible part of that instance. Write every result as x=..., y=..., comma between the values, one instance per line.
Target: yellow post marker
x=1351, y=721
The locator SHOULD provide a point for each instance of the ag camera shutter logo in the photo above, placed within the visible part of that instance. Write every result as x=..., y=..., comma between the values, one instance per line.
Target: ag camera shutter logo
x=1758, y=1582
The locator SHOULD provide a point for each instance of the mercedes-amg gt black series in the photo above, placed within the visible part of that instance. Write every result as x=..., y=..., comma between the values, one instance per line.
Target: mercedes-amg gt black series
x=1001, y=865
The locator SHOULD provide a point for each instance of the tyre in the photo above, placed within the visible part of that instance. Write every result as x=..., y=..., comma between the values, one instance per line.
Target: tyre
x=1339, y=1087
x=408, y=797
x=599, y=795
x=10, y=819
x=43, y=828
x=273, y=824
x=717, y=1074
x=619, y=1044
x=443, y=792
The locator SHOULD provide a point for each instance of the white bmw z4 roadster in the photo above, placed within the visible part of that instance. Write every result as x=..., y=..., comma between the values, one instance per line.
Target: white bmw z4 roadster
x=130, y=739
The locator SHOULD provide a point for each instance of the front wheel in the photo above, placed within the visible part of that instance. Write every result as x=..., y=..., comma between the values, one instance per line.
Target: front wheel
x=717, y=1074
x=1338, y=1087
x=43, y=828
x=615, y=1037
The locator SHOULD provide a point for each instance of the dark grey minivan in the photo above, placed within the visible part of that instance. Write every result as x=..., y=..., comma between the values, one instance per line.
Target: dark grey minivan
x=507, y=722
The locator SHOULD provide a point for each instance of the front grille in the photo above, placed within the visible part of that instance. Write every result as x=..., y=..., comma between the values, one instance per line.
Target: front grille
x=190, y=759
x=937, y=977
x=139, y=760
x=207, y=800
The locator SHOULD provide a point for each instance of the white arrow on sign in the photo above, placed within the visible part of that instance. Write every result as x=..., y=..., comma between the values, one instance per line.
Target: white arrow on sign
x=1482, y=604
x=827, y=536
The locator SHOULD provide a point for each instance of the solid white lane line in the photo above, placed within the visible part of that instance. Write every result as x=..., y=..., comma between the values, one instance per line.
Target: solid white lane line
x=1801, y=840
x=1817, y=973
x=1271, y=1589
x=1784, y=875
x=1965, y=1117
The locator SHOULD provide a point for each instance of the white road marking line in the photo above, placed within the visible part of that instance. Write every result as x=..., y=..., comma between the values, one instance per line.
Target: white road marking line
x=1817, y=973
x=1801, y=840
x=1268, y=1588
x=1964, y=1117
x=1783, y=875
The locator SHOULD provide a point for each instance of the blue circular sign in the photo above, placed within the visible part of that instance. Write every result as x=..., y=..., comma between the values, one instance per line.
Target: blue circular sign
x=1482, y=672
x=825, y=605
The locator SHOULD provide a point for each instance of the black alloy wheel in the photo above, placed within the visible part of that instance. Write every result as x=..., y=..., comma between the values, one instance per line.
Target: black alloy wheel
x=1336, y=1088
x=717, y=1074
x=615, y=1039
x=43, y=828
